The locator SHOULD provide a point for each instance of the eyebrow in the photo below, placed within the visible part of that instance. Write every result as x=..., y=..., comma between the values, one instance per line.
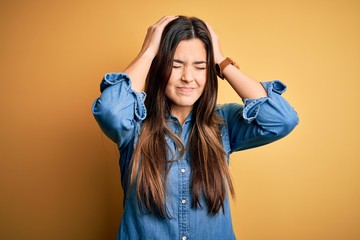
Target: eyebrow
x=196, y=62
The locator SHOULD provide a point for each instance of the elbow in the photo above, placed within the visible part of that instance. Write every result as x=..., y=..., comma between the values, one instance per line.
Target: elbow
x=116, y=123
x=288, y=123
x=103, y=117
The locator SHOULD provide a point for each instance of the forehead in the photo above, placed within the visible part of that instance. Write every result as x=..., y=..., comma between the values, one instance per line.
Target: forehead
x=190, y=49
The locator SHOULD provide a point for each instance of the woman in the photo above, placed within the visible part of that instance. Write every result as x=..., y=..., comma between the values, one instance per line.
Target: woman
x=175, y=144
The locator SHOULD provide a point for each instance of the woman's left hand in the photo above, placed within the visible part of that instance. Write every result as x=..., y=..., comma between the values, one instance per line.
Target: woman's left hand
x=218, y=56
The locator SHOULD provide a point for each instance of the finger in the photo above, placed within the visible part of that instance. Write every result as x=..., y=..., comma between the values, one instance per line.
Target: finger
x=160, y=20
x=211, y=30
x=161, y=23
x=165, y=20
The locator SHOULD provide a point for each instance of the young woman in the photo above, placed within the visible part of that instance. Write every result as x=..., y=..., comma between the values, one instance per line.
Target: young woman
x=174, y=141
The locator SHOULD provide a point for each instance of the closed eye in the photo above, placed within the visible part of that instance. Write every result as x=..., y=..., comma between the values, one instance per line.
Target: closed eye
x=201, y=68
x=177, y=66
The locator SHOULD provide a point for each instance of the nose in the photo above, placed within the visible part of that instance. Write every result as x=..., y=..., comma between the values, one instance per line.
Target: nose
x=187, y=75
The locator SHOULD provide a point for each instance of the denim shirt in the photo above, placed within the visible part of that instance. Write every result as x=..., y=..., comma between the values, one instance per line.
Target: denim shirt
x=120, y=111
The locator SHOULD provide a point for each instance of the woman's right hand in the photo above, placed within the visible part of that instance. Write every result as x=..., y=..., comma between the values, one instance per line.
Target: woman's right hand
x=152, y=40
x=139, y=67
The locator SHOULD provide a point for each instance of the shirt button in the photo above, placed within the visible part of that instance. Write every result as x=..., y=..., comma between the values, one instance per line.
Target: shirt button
x=183, y=170
x=183, y=238
x=183, y=201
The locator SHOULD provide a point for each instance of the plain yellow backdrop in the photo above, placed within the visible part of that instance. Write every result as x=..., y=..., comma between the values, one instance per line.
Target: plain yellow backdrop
x=59, y=175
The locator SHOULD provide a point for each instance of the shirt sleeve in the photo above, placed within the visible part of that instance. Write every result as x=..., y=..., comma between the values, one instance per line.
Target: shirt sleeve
x=119, y=108
x=259, y=121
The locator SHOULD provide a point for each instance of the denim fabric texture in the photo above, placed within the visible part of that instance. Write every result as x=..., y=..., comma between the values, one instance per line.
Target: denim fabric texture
x=120, y=111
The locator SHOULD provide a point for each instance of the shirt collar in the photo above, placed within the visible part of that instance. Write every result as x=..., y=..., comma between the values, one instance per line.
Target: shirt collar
x=174, y=119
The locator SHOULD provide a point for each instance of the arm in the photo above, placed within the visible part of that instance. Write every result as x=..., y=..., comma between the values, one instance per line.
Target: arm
x=121, y=104
x=119, y=109
x=139, y=67
x=265, y=117
x=259, y=121
x=244, y=85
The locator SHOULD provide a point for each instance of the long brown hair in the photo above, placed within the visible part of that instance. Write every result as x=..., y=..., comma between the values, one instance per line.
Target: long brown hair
x=150, y=164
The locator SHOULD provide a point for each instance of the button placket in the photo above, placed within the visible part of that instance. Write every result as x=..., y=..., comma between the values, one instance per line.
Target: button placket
x=184, y=220
x=184, y=174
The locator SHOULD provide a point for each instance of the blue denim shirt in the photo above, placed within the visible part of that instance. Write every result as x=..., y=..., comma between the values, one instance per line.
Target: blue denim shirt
x=120, y=111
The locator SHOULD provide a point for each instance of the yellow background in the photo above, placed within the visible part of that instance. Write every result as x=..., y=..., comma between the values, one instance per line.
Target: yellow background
x=59, y=176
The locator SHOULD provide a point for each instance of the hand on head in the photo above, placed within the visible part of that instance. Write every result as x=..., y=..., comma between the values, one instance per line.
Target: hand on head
x=218, y=56
x=153, y=36
x=152, y=40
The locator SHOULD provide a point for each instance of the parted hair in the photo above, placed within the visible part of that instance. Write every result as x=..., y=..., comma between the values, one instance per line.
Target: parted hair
x=210, y=177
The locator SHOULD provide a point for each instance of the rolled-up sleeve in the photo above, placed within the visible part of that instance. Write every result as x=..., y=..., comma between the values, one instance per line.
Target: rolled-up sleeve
x=118, y=108
x=259, y=121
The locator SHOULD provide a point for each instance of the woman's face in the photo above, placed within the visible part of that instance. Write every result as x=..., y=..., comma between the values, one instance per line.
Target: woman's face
x=188, y=75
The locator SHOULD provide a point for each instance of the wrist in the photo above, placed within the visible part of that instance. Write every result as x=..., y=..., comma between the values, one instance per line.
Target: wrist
x=222, y=65
x=219, y=59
